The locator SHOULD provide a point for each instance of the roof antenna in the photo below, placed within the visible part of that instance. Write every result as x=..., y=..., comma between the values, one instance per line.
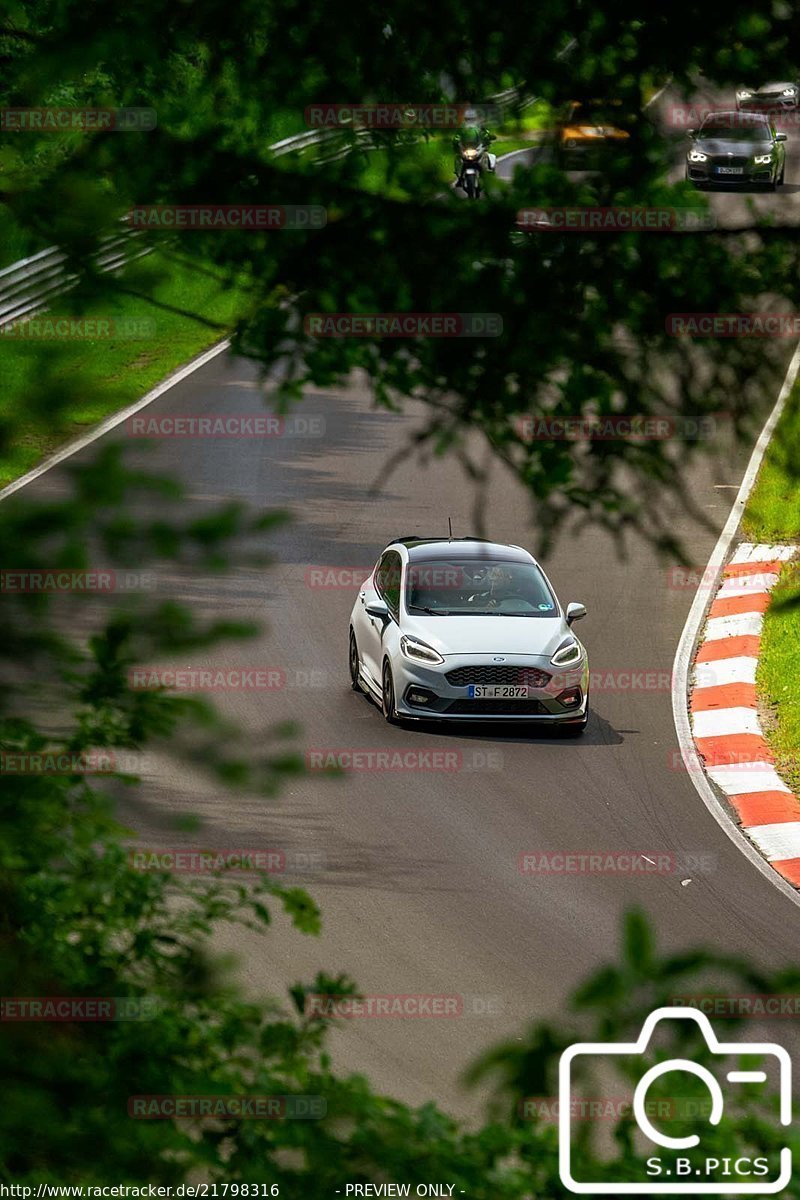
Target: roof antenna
x=450, y=527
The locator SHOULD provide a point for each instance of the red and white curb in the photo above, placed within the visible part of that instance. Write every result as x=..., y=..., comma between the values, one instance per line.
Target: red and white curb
x=724, y=710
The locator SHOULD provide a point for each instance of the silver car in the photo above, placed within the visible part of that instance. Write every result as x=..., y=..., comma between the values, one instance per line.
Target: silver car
x=772, y=98
x=464, y=629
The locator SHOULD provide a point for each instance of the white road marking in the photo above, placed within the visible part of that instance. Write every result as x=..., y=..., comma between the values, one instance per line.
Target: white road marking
x=726, y=670
x=725, y=721
x=741, y=625
x=777, y=841
x=111, y=422
x=741, y=779
x=763, y=552
x=747, y=585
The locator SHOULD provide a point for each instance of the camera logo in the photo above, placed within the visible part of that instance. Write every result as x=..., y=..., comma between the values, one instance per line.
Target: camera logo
x=679, y=1164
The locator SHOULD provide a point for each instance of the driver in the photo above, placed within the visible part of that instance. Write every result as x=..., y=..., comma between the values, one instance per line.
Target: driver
x=471, y=136
x=502, y=586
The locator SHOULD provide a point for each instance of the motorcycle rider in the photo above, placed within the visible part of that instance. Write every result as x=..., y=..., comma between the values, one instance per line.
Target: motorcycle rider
x=471, y=136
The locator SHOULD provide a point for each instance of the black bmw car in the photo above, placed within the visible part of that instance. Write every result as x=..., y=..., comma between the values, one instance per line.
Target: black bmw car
x=769, y=98
x=736, y=147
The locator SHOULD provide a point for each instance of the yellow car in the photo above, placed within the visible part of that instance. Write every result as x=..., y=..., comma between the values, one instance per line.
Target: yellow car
x=588, y=131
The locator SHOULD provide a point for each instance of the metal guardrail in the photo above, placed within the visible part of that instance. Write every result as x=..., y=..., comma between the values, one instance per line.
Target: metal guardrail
x=341, y=146
x=27, y=286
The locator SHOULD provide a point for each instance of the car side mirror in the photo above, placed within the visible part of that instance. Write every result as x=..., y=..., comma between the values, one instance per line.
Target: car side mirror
x=781, y=137
x=575, y=612
x=690, y=133
x=378, y=608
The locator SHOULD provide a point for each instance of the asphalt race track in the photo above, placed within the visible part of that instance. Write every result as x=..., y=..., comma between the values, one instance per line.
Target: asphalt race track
x=419, y=885
x=733, y=206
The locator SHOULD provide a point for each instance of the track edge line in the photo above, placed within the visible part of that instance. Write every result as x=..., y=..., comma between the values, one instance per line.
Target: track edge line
x=109, y=423
x=690, y=635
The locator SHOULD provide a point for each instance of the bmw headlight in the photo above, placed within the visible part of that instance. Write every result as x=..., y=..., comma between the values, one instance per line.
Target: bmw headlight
x=761, y=160
x=697, y=156
x=567, y=654
x=419, y=651
x=790, y=91
x=744, y=94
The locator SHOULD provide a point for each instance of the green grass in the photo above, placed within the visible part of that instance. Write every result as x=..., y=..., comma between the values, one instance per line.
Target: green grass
x=64, y=386
x=773, y=515
x=538, y=117
x=778, y=676
x=773, y=510
x=285, y=124
x=17, y=242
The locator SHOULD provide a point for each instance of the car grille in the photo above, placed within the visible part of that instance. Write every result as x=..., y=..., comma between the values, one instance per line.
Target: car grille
x=521, y=676
x=497, y=708
x=735, y=160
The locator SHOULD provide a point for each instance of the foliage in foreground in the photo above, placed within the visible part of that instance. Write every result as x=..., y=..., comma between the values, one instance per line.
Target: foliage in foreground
x=77, y=919
x=583, y=334
x=585, y=315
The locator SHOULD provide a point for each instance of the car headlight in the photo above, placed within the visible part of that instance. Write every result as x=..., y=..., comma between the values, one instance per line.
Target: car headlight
x=697, y=156
x=761, y=160
x=567, y=654
x=790, y=91
x=419, y=651
x=743, y=95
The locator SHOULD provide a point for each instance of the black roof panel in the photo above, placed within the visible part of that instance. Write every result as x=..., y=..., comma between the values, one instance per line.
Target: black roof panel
x=480, y=548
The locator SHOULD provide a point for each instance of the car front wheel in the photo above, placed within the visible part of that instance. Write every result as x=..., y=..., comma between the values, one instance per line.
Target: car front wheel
x=352, y=661
x=388, y=704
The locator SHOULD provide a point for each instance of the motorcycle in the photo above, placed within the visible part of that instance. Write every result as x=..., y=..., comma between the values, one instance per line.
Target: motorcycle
x=473, y=159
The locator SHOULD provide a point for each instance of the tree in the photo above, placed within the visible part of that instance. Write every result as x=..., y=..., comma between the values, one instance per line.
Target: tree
x=77, y=918
x=583, y=338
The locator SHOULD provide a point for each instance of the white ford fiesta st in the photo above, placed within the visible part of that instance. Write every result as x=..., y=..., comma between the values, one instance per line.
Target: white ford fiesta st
x=463, y=629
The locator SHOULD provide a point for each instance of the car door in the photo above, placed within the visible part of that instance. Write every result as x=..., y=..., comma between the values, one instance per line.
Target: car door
x=385, y=585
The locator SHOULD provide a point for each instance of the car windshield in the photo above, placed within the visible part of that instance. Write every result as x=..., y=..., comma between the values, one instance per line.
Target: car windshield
x=478, y=587
x=736, y=128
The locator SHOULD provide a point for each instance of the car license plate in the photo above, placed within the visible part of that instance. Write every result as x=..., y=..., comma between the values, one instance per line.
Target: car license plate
x=497, y=691
x=730, y=170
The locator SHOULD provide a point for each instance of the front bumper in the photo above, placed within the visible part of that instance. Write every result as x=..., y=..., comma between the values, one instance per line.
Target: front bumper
x=708, y=174
x=773, y=106
x=448, y=702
